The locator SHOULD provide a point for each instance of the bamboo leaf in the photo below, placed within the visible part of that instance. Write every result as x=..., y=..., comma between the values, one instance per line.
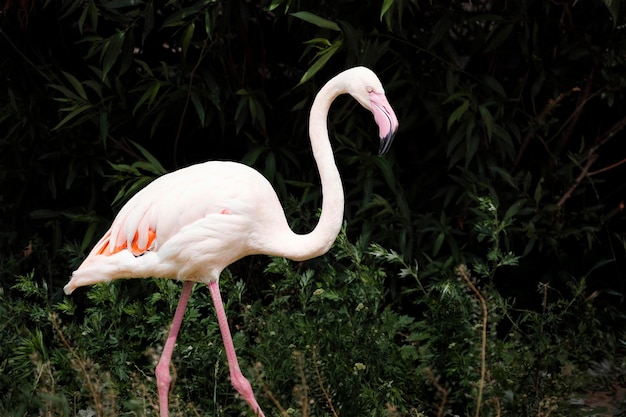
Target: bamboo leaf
x=385, y=167
x=538, y=194
x=144, y=65
x=317, y=21
x=455, y=140
x=322, y=59
x=252, y=107
x=178, y=17
x=83, y=17
x=498, y=36
x=513, y=210
x=270, y=166
x=438, y=243
x=104, y=126
x=471, y=148
x=77, y=110
x=157, y=167
x=120, y=4
x=494, y=85
x=385, y=8
x=318, y=41
x=253, y=156
x=208, y=24
x=274, y=5
x=197, y=104
x=88, y=238
x=126, y=192
x=148, y=21
x=487, y=120
x=68, y=95
x=506, y=176
x=148, y=96
x=187, y=36
x=458, y=113
x=455, y=96
x=600, y=264
x=111, y=52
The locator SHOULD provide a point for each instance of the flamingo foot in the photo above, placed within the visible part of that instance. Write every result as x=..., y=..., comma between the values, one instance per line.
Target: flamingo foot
x=243, y=387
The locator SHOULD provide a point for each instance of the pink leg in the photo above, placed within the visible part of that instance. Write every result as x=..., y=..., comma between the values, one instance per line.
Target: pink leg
x=163, y=376
x=239, y=381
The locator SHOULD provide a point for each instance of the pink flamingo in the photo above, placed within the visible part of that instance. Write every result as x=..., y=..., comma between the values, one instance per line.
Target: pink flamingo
x=192, y=223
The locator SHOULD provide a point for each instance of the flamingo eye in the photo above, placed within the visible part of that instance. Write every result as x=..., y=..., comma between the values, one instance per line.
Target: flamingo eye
x=369, y=89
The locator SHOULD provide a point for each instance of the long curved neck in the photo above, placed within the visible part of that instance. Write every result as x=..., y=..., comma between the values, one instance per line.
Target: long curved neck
x=319, y=241
x=331, y=218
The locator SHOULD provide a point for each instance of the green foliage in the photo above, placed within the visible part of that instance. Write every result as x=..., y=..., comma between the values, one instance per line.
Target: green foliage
x=508, y=161
x=320, y=339
x=327, y=331
x=483, y=354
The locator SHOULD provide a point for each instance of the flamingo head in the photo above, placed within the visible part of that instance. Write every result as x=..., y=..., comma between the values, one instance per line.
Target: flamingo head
x=366, y=88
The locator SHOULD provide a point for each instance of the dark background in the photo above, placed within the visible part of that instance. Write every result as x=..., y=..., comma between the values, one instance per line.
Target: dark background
x=518, y=102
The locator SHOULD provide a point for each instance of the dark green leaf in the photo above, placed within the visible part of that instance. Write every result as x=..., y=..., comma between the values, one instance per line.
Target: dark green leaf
x=73, y=112
x=148, y=21
x=487, y=120
x=317, y=21
x=187, y=36
x=199, y=107
x=385, y=8
x=322, y=59
x=498, y=36
x=111, y=52
x=458, y=113
x=119, y=4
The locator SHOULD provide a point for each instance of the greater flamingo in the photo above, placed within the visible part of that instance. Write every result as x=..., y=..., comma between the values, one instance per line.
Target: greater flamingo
x=192, y=223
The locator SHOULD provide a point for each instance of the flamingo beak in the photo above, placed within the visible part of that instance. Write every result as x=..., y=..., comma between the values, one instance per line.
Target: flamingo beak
x=385, y=118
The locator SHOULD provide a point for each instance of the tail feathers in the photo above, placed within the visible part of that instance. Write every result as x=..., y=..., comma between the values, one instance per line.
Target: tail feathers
x=123, y=264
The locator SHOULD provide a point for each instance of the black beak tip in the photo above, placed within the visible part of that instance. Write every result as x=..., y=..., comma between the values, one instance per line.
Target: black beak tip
x=385, y=143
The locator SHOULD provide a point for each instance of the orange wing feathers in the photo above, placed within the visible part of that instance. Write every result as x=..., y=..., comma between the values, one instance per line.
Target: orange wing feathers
x=135, y=246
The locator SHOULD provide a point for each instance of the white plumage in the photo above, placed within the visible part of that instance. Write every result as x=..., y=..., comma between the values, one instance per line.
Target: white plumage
x=192, y=223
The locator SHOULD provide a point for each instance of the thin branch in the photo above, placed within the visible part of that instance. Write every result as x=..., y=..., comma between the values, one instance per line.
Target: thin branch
x=440, y=389
x=496, y=402
x=464, y=273
x=81, y=364
x=583, y=174
x=321, y=382
x=617, y=126
x=583, y=99
x=550, y=105
x=592, y=157
x=267, y=391
x=608, y=168
x=305, y=397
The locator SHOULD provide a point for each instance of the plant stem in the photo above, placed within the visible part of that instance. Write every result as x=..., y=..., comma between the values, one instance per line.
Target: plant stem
x=440, y=389
x=464, y=273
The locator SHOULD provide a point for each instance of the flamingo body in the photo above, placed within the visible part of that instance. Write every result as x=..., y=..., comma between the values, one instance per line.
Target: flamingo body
x=189, y=225
x=192, y=223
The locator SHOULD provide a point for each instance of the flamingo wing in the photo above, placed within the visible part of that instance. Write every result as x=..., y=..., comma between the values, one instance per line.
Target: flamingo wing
x=193, y=196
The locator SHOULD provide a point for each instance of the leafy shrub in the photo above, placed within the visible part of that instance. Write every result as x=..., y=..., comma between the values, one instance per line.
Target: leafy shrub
x=319, y=338
x=508, y=161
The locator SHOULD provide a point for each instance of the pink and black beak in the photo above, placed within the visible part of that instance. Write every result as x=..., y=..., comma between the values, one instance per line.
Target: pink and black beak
x=385, y=119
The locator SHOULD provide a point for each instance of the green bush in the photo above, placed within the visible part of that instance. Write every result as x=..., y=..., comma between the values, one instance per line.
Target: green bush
x=317, y=338
x=508, y=161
